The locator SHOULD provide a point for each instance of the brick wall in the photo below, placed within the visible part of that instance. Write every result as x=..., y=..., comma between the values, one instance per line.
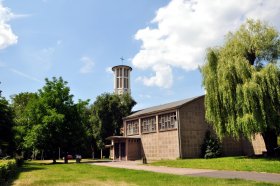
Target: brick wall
x=162, y=145
x=232, y=147
x=254, y=147
x=192, y=128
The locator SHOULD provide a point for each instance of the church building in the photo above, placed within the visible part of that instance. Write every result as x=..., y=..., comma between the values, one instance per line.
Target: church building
x=169, y=131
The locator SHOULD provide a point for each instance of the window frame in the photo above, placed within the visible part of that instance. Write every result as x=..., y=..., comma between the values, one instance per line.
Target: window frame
x=167, y=121
x=132, y=127
x=148, y=125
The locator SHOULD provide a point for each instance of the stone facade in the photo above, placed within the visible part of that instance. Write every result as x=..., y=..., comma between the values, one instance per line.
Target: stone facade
x=176, y=130
x=161, y=145
x=192, y=128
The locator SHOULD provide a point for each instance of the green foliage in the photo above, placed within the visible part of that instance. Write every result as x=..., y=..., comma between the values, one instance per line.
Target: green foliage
x=256, y=41
x=242, y=83
x=22, y=104
x=49, y=119
x=7, y=170
x=107, y=113
x=211, y=147
x=6, y=124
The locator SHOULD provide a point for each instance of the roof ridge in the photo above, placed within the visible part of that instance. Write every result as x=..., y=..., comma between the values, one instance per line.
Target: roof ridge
x=157, y=108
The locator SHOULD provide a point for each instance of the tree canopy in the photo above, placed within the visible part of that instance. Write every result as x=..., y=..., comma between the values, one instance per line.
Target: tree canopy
x=6, y=125
x=49, y=119
x=242, y=82
x=21, y=105
x=107, y=113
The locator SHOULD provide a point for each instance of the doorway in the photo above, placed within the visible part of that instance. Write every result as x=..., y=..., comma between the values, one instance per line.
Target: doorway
x=120, y=151
x=123, y=154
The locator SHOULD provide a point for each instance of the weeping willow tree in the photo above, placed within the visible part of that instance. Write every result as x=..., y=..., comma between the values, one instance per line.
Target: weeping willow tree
x=242, y=82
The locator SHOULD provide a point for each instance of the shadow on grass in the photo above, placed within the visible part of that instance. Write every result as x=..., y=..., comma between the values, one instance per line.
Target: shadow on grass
x=95, y=161
x=256, y=157
x=26, y=167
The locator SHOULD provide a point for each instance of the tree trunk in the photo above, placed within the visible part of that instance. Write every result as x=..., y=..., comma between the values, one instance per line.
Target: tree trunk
x=270, y=140
x=66, y=157
x=42, y=155
x=54, y=158
x=92, y=152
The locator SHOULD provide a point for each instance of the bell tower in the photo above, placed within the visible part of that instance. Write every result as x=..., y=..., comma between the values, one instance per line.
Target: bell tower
x=122, y=79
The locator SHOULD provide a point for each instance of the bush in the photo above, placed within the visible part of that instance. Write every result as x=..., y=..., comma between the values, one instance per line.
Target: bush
x=19, y=160
x=7, y=170
x=211, y=147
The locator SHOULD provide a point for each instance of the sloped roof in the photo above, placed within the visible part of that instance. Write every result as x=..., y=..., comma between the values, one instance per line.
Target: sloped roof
x=123, y=137
x=168, y=106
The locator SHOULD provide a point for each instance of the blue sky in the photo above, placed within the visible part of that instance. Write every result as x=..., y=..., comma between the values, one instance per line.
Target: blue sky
x=164, y=41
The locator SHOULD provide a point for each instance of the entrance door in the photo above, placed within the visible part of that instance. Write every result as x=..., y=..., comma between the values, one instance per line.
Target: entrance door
x=116, y=149
x=123, y=154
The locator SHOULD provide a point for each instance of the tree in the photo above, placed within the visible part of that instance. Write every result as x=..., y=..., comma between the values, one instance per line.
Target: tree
x=211, y=147
x=242, y=82
x=107, y=113
x=88, y=140
x=21, y=105
x=54, y=120
x=6, y=124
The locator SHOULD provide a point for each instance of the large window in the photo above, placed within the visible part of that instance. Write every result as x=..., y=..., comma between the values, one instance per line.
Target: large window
x=167, y=121
x=148, y=124
x=132, y=127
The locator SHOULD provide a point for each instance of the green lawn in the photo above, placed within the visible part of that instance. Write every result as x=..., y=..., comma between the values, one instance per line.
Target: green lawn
x=226, y=163
x=38, y=173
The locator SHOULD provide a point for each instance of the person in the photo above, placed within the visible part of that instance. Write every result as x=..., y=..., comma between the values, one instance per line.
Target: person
x=78, y=158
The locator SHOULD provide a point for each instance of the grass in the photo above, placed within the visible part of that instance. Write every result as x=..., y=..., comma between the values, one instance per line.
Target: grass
x=226, y=163
x=43, y=173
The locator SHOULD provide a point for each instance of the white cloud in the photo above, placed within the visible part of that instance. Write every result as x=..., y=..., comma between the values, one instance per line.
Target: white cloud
x=185, y=28
x=163, y=77
x=145, y=96
x=88, y=65
x=58, y=42
x=19, y=16
x=25, y=75
x=109, y=70
x=179, y=78
x=7, y=37
x=43, y=58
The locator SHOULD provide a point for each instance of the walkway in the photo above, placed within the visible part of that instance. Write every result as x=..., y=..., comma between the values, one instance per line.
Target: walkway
x=265, y=177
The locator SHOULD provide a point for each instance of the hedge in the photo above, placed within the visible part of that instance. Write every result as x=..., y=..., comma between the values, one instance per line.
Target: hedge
x=7, y=170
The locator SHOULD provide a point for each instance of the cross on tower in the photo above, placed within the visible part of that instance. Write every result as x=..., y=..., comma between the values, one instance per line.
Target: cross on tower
x=122, y=59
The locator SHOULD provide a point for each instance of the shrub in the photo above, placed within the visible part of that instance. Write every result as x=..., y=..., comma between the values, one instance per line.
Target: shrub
x=7, y=170
x=19, y=161
x=211, y=147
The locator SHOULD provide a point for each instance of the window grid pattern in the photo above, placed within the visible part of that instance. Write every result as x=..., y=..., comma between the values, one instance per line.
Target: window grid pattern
x=148, y=124
x=132, y=127
x=167, y=121
x=122, y=78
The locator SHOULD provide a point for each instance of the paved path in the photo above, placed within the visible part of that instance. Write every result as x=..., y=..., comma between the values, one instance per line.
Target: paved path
x=256, y=176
